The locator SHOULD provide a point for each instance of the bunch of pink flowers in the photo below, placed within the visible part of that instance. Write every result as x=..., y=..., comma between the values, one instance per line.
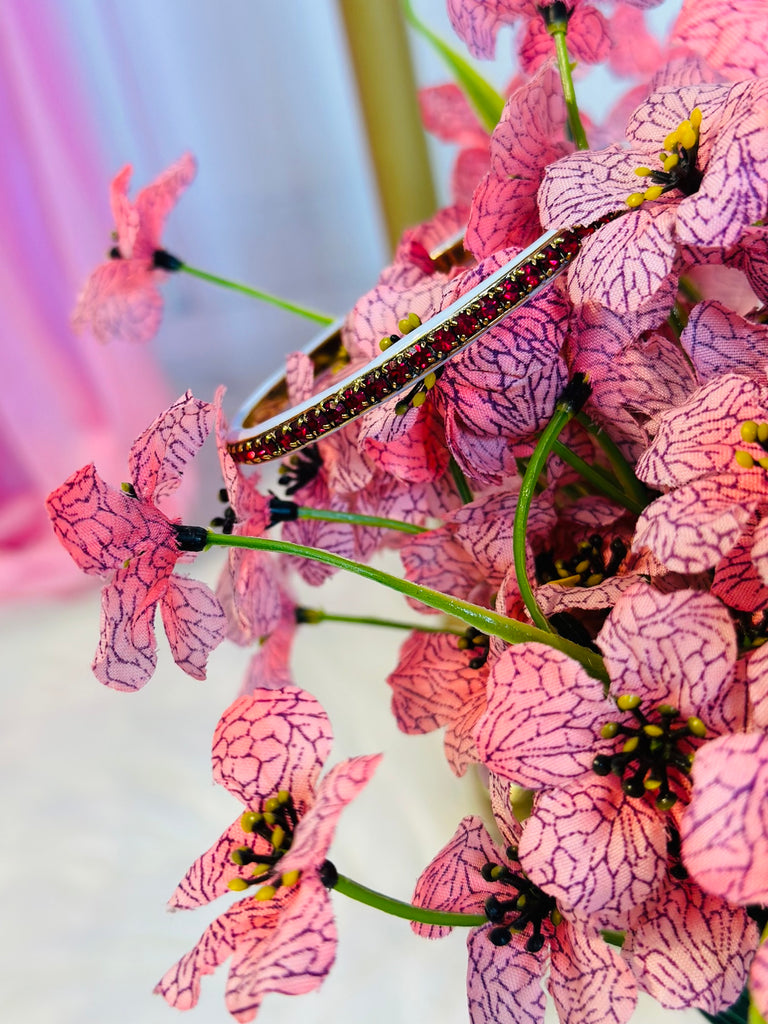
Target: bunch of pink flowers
x=584, y=490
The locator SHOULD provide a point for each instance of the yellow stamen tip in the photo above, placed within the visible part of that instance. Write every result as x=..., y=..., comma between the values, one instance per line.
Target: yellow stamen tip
x=628, y=701
x=237, y=884
x=593, y=580
x=695, y=117
x=744, y=459
x=249, y=821
x=419, y=399
x=291, y=877
x=651, y=783
x=653, y=730
x=630, y=745
x=429, y=381
x=643, y=172
x=763, y=463
x=762, y=432
x=749, y=432
x=672, y=161
x=272, y=804
x=278, y=835
x=582, y=566
x=653, y=192
x=266, y=892
x=384, y=344
x=671, y=140
x=634, y=200
x=414, y=320
x=697, y=727
x=688, y=136
x=609, y=730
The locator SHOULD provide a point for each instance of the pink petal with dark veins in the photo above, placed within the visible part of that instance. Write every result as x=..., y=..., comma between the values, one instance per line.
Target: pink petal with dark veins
x=271, y=740
x=120, y=301
x=541, y=727
x=588, y=979
x=160, y=455
x=597, y=851
x=690, y=948
x=504, y=984
x=194, y=623
x=156, y=200
x=677, y=649
x=725, y=828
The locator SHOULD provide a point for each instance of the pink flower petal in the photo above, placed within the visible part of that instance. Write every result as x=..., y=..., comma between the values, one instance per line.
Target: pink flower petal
x=504, y=984
x=156, y=200
x=729, y=37
x=597, y=851
x=120, y=301
x=295, y=959
x=588, y=979
x=725, y=828
x=678, y=649
x=314, y=834
x=544, y=714
x=160, y=455
x=691, y=949
x=194, y=623
x=271, y=740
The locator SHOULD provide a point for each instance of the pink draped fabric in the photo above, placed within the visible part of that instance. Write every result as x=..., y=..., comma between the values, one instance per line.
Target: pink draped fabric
x=64, y=400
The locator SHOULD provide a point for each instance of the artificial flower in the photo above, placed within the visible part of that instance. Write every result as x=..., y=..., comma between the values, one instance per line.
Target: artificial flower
x=122, y=536
x=121, y=300
x=714, y=189
x=268, y=750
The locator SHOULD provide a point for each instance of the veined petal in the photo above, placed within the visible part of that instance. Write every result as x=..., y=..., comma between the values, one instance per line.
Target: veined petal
x=272, y=740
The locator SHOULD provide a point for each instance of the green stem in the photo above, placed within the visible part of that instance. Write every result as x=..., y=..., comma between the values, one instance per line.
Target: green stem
x=330, y=515
x=562, y=416
x=318, y=318
x=558, y=31
x=623, y=471
x=483, y=619
x=317, y=615
x=398, y=908
x=596, y=478
x=461, y=481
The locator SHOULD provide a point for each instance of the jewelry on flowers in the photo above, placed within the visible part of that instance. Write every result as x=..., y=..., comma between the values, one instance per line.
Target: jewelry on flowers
x=264, y=429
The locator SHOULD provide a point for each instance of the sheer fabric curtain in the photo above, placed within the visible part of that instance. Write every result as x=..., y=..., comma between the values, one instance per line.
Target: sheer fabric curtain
x=262, y=95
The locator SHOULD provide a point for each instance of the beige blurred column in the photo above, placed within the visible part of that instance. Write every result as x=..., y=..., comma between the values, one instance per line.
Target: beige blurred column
x=378, y=46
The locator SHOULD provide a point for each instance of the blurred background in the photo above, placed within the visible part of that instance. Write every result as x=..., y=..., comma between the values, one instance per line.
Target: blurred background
x=301, y=188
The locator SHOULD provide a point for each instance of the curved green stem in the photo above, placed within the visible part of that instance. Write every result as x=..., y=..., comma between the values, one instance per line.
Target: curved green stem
x=317, y=615
x=558, y=31
x=330, y=515
x=318, y=318
x=622, y=469
x=460, y=480
x=398, y=908
x=562, y=416
x=596, y=478
x=483, y=619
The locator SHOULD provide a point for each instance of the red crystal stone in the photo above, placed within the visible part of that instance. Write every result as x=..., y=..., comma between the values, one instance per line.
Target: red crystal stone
x=467, y=323
x=443, y=341
x=378, y=387
x=356, y=401
x=490, y=307
x=511, y=291
x=420, y=356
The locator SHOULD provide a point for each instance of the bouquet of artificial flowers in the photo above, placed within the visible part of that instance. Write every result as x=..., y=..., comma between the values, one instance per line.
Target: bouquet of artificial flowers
x=562, y=427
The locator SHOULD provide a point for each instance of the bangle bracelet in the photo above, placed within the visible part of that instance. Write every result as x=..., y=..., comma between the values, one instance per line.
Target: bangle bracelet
x=265, y=430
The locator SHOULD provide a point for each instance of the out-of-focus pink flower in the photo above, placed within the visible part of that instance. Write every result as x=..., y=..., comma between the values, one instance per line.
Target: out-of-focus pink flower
x=730, y=36
x=123, y=536
x=446, y=113
x=121, y=300
x=268, y=750
x=718, y=189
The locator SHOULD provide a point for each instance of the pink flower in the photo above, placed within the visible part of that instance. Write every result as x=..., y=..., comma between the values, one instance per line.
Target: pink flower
x=713, y=506
x=717, y=189
x=446, y=113
x=509, y=956
x=120, y=300
x=477, y=22
x=122, y=536
x=597, y=773
x=268, y=750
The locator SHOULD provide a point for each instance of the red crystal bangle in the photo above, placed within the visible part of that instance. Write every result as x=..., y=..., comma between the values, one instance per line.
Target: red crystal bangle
x=264, y=429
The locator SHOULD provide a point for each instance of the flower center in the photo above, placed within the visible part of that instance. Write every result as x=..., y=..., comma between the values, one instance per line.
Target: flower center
x=226, y=521
x=300, y=469
x=586, y=568
x=476, y=642
x=650, y=750
x=678, y=164
x=275, y=824
x=514, y=912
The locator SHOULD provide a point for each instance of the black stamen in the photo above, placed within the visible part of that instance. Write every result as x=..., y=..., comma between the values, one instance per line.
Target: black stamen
x=163, y=260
